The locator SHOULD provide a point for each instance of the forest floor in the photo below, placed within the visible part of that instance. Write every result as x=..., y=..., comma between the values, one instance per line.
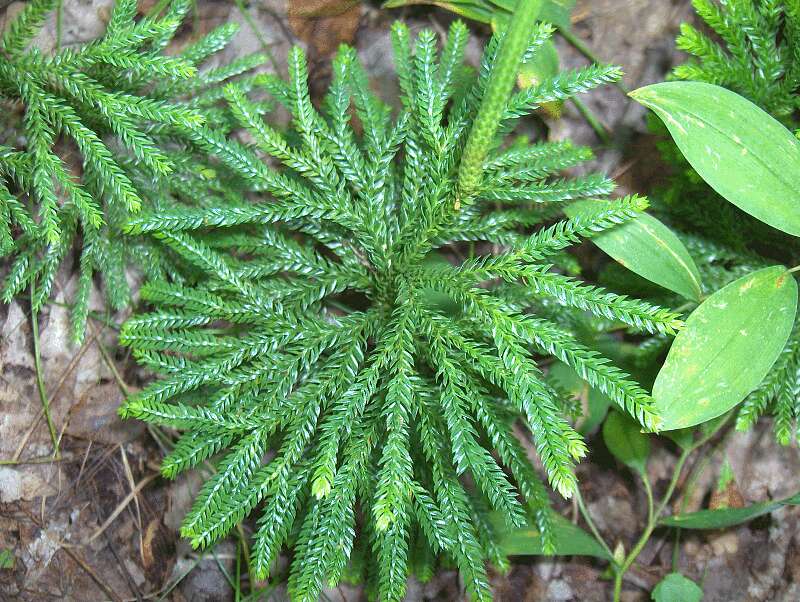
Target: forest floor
x=99, y=523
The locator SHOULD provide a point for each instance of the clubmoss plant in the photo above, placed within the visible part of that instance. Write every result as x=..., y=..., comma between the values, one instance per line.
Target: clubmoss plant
x=355, y=378
x=106, y=129
x=759, y=53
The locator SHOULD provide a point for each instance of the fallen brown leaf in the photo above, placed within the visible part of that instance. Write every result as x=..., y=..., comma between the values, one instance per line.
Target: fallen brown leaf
x=324, y=24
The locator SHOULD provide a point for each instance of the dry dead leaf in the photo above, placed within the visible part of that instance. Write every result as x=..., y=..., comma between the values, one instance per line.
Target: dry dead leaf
x=324, y=24
x=727, y=497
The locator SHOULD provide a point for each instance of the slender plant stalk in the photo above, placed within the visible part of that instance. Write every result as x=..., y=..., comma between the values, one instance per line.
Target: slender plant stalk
x=598, y=127
x=587, y=52
x=648, y=489
x=590, y=522
x=37, y=360
x=265, y=48
x=59, y=24
x=655, y=515
x=509, y=57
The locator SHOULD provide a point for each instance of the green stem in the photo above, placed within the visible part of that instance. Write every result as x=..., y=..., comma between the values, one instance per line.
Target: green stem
x=501, y=82
x=592, y=120
x=257, y=32
x=59, y=24
x=592, y=527
x=37, y=362
x=651, y=524
x=587, y=52
x=652, y=521
x=648, y=489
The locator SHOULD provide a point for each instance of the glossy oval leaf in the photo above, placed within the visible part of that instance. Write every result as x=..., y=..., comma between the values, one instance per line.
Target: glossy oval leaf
x=728, y=345
x=743, y=153
x=648, y=248
x=571, y=540
x=625, y=440
x=726, y=517
x=677, y=588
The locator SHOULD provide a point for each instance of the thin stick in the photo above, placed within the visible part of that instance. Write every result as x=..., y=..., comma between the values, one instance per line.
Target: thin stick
x=111, y=365
x=40, y=460
x=120, y=507
x=132, y=482
x=94, y=576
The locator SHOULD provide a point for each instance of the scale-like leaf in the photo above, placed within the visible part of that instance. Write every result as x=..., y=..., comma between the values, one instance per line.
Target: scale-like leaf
x=648, y=248
x=742, y=152
x=728, y=345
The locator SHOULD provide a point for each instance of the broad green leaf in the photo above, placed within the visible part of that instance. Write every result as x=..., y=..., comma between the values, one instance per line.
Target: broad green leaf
x=647, y=247
x=626, y=441
x=595, y=404
x=742, y=152
x=677, y=588
x=558, y=12
x=728, y=345
x=726, y=517
x=571, y=540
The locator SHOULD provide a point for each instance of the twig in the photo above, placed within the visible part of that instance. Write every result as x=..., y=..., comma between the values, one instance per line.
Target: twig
x=111, y=365
x=94, y=576
x=132, y=483
x=121, y=506
x=40, y=460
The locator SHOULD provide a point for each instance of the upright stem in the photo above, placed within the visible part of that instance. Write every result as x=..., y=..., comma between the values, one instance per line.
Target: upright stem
x=501, y=82
x=37, y=363
x=592, y=527
x=654, y=515
x=587, y=52
x=651, y=523
x=592, y=120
